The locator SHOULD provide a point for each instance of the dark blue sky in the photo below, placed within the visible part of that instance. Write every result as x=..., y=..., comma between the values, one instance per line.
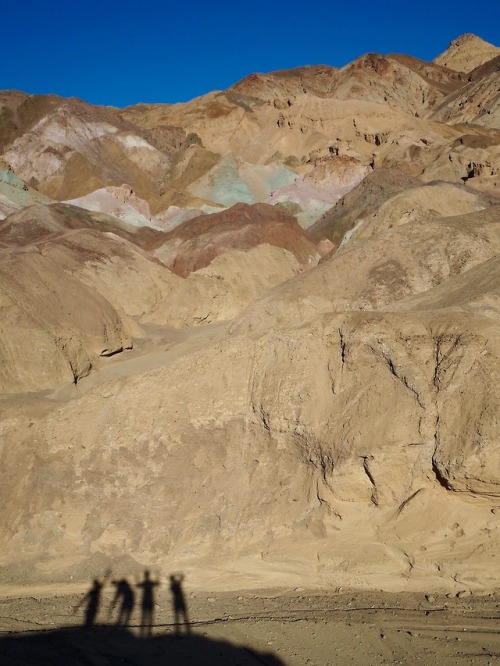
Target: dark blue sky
x=119, y=53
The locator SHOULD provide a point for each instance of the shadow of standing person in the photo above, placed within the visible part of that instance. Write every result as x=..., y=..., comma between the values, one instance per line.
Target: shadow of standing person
x=125, y=596
x=179, y=605
x=147, y=603
x=93, y=599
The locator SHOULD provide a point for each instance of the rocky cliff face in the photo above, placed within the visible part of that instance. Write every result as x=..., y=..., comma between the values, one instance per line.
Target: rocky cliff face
x=255, y=336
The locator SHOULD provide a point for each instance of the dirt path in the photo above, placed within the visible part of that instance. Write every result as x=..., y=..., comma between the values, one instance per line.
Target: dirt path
x=267, y=627
x=163, y=346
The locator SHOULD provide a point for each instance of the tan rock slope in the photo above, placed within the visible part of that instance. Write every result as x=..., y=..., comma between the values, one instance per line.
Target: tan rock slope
x=478, y=101
x=76, y=287
x=466, y=53
x=255, y=337
x=62, y=304
x=287, y=461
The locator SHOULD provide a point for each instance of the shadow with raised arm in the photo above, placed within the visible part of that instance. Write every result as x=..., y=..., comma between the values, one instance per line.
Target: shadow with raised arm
x=93, y=601
x=147, y=603
x=179, y=605
x=125, y=597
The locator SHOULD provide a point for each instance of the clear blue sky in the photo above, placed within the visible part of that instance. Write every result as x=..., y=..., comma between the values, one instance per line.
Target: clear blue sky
x=120, y=53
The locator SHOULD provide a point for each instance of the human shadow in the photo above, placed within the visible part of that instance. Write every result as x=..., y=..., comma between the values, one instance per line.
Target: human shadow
x=179, y=605
x=113, y=646
x=93, y=601
x=125, y=597
x=147, y=603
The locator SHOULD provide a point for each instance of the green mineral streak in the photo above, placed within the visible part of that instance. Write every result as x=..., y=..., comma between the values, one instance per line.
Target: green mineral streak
x=280, y=178
x=229, y=188
x=9, y=178
x=233, y=183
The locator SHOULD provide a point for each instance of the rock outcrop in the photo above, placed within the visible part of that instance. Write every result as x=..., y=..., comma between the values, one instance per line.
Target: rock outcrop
x=467, y=52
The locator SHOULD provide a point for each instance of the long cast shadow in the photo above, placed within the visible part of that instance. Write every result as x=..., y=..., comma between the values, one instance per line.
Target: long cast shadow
x=147, y=603
x=125, y=598
x=179, y=605
x=113, y=645
x=92, y=601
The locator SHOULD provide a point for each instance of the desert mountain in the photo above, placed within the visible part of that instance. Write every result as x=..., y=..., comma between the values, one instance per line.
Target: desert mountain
x=254, y=336
x=466, y=53
x=66, y=148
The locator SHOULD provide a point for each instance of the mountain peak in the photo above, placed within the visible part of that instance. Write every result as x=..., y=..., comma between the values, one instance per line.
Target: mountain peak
x=467, y=52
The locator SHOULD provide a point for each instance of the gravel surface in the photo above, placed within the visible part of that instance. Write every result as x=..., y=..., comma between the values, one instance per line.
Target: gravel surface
x=267, y=627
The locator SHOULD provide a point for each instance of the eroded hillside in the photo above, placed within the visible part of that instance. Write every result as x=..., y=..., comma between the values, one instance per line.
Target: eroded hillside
x=255, y=337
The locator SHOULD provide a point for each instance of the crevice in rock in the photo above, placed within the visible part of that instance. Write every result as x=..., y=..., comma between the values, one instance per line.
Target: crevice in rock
x=437, y=472
x=342, y=348
x=405, y=502
x=439, y=477
x=368, y=473
x=264, y=420
x=400, y=376
x=440, y=356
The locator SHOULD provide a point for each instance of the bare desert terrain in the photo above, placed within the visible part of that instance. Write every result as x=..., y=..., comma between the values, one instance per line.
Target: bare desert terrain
x=268, y=626
x=254, y=338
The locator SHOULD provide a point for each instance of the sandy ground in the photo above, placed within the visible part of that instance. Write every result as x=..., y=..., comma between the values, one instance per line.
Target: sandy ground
x=264, y=627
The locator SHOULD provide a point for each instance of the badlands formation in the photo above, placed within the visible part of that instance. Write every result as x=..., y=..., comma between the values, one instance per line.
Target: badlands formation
x=255, y=337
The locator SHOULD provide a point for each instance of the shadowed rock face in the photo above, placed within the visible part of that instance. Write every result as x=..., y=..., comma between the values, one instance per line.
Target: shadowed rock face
x=477, y=101
x=362, y=201
x=437, y=76
x=331, y=426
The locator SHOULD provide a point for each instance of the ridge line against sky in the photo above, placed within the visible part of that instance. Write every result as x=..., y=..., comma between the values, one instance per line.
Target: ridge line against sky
x=121, y=53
